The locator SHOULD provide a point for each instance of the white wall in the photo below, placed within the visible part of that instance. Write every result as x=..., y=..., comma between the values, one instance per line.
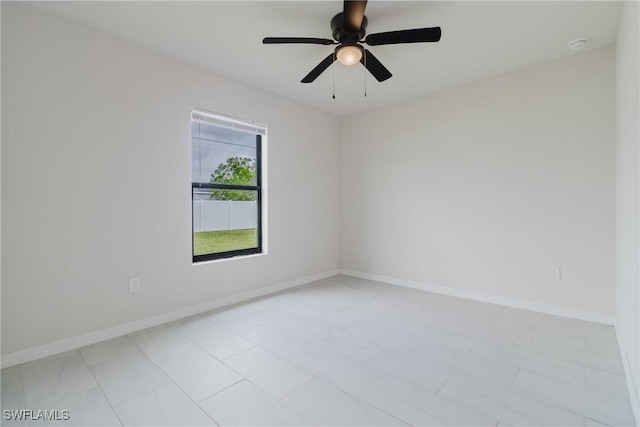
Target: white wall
x=484, y=186
x=627, y=188
x=101, y=128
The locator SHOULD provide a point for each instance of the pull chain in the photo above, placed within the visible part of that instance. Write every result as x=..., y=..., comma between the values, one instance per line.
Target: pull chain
x=365, y=73
x=333, y=69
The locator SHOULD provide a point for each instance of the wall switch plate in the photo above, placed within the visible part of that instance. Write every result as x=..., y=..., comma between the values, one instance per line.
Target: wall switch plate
x=135, y=283
x=554, y=273
x=358, y=250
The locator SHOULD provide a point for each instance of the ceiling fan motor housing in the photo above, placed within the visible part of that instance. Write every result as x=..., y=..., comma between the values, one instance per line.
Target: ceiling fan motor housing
x=343, y=36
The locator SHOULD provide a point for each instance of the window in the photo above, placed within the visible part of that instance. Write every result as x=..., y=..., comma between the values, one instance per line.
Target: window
x=226, y=186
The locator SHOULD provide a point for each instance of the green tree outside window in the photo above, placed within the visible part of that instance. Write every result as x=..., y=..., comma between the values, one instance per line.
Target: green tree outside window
x=235, y=171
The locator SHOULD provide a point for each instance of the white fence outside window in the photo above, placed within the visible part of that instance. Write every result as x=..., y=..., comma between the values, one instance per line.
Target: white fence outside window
x=218, y=215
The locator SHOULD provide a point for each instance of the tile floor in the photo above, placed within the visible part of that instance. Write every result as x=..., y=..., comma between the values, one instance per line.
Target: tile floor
x=341, y=351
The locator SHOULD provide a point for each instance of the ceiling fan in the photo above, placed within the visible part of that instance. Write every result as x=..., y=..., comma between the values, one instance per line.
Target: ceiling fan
x=349, y=29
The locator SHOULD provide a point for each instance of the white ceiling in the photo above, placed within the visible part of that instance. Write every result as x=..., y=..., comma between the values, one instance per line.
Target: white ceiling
x=479, y=39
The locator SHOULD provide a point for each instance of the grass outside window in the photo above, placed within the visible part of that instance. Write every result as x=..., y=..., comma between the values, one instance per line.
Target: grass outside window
x=206, y=242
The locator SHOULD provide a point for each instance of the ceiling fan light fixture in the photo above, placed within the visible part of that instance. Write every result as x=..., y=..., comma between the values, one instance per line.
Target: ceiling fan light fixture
x=349, y=54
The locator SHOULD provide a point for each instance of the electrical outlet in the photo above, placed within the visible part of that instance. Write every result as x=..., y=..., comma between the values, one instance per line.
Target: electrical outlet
x=135, y=284
x=554, y=273
x=358, y=250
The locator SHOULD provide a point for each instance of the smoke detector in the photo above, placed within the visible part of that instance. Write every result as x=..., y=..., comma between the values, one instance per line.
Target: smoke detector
x=578, y=44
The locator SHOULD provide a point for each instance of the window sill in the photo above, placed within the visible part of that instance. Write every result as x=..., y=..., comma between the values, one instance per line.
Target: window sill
x=214, y=261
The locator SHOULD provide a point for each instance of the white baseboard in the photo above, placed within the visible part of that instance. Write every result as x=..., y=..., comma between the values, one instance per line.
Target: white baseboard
x=634, y=394
x=73, y=343
x=493, y=299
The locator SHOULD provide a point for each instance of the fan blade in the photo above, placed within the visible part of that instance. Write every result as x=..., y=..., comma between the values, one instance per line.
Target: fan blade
x=303, y=40
x=375, y=67
x=319, y=69
x=419, y=35
x=353, y=13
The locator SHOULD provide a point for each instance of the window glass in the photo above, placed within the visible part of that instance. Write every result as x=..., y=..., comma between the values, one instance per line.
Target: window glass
x=226, y=191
